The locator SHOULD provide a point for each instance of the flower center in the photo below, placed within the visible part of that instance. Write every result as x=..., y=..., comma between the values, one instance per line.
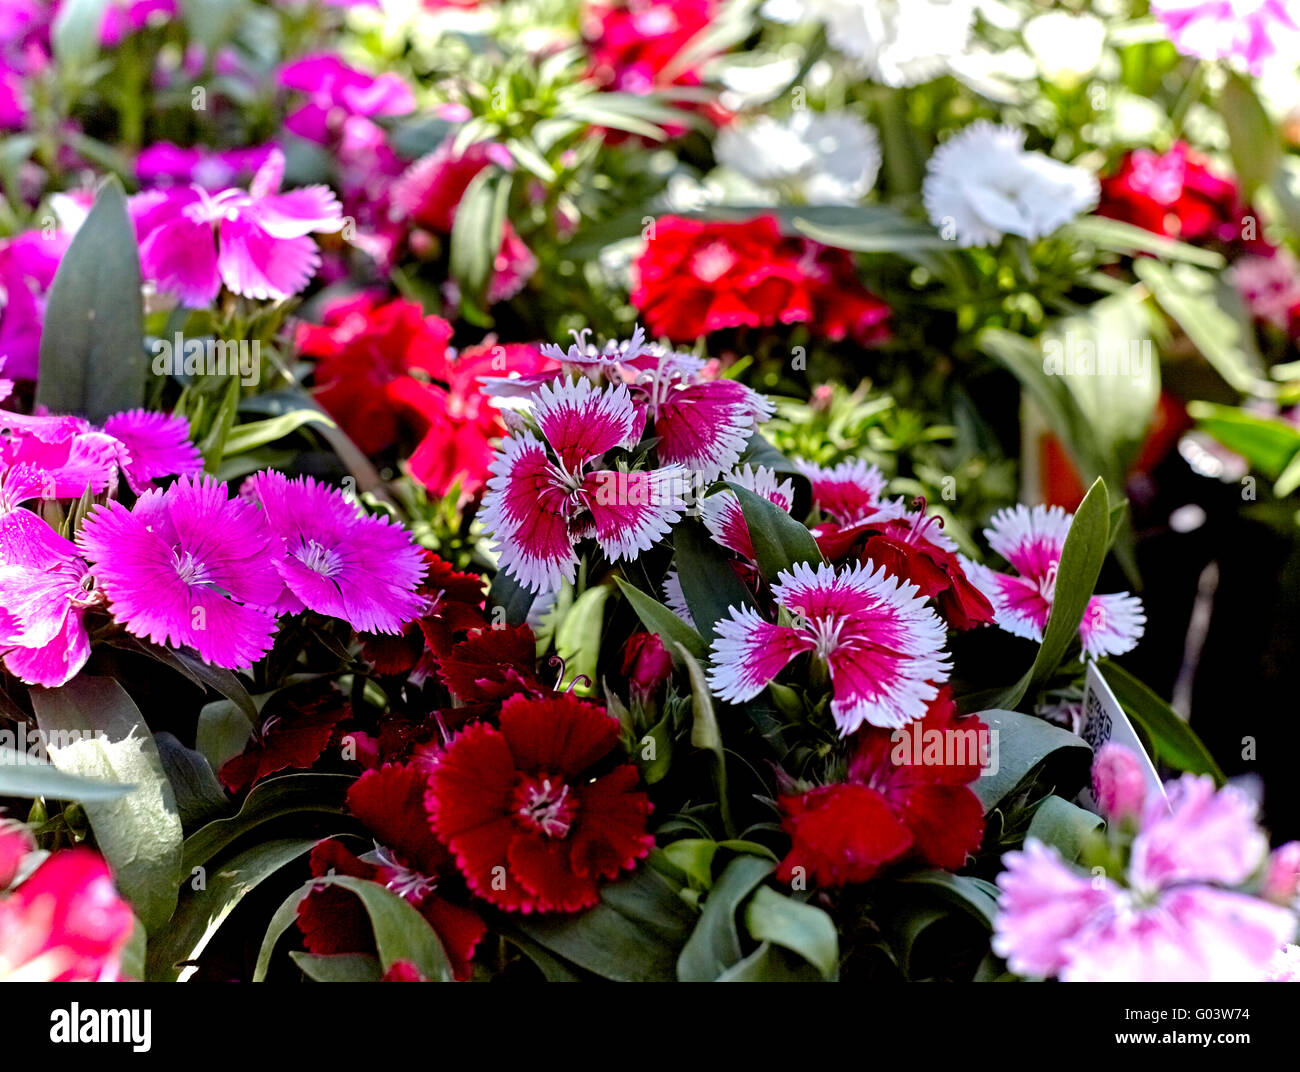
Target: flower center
x=712, y=263
x=826, y=634
x=189, y=569
x=542, y=803
x=404, y=881
x=318, y=558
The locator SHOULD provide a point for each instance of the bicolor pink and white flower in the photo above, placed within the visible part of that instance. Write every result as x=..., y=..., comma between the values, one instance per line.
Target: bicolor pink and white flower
x=846, y=493
x=257, y=242
x=701, y=423
x=338, y=561
x=1032, y=539
x=45, y=589
x=1176, y=916
x=1251, y=33
x=189, y=566
x=882, y=644
x=547, y=493
x=723, y=516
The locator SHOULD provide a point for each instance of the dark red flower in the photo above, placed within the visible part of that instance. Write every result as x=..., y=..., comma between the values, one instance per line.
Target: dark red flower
x=1176, y=194
x=407, y=859
x=697, y=277
x=455, y=607
x=906, y=797
x=294, y=740
x=646, y=665
x=493, y=664
x=531, y=822
x=905, y=548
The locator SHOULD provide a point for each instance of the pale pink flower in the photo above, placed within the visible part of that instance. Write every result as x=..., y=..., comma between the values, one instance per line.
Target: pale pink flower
x=1248, y=32
x=1117, y=783
x=1175, y=917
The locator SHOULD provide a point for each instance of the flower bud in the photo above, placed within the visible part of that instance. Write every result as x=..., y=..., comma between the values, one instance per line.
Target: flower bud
x=1282, y=879
x=1117, y=782
x=646, y=665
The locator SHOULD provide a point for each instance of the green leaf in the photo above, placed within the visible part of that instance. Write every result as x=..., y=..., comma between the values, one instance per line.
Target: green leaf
x=709, y=584
x=692, y=858
x=23, y=776
x=1209, y=310
x=202, y=911
x=187, y=661
x=780, y=541
x=401, y=933
x=476, y=238
x=664, y=623
x=1267, y=443
x=758, y=451
x=968, y=894
x=1119, y=237
x=632, y=935
x=339, y=968
x=706, y=735
x=101, y=734
x=199, y=796
x=245, y=437
x=867, y=229
x=1252, y=136
x=74, y=36
x=1114, y=409
x=1063, y=825
x=714, y=945
x=223, y=732
x=1076, y=578
x=802, y=928
x=1174, y=741
x=577, y=640
x=275, y=798
x=511, y=596
x=770, y=964
x=1025, y=743
x=92, y=357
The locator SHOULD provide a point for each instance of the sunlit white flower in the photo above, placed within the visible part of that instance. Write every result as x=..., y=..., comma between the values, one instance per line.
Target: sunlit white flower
x=1067, y=47
x=897, y=42
x=821, y=159
x=982, y=184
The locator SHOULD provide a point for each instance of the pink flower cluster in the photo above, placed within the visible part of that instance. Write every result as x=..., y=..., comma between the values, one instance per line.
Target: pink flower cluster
x=549, y=487
x=187, y=565
x=1189, y=906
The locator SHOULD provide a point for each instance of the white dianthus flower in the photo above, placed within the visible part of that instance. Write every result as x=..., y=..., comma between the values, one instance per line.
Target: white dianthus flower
x=982, y=184
x=897, y=42
x=821, y=159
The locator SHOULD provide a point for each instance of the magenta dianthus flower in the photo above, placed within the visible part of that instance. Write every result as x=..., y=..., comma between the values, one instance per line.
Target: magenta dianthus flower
x=189, y=566
x=337, y=561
